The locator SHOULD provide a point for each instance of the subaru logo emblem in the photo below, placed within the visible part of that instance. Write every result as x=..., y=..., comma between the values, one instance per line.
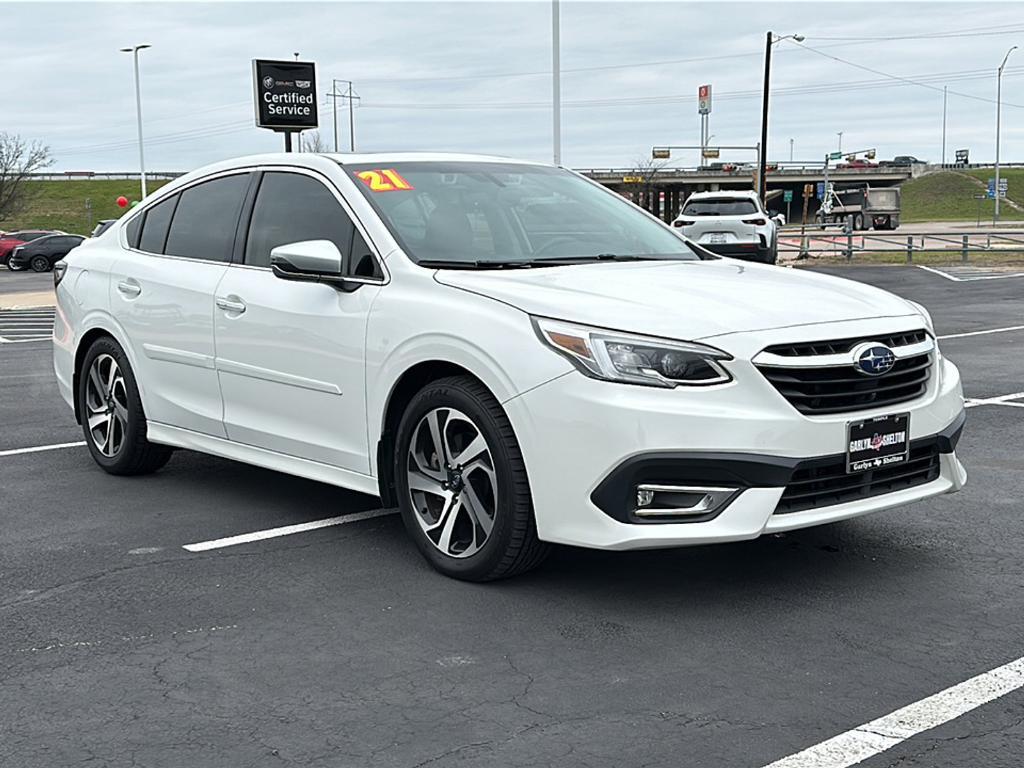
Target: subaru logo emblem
x=873, y=359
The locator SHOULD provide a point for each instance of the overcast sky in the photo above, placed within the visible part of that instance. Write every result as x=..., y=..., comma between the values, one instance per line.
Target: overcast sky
x=474, y=76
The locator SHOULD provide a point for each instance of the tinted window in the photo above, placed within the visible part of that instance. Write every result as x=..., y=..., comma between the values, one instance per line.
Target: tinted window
x=292, y=207
x=205, y=219
x=468, y=212
x=719, y=207
x=154, y=227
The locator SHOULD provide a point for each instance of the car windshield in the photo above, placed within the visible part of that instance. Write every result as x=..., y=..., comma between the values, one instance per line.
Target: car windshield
x=481, y=215
x=721, y=206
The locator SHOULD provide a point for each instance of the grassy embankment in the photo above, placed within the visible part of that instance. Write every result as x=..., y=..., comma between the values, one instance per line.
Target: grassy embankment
x=62, y=204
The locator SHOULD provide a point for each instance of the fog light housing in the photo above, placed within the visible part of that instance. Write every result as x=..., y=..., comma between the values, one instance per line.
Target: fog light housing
x=682, y=501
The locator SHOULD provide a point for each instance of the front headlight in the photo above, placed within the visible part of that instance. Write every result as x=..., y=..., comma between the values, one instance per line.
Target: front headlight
x=614, y=356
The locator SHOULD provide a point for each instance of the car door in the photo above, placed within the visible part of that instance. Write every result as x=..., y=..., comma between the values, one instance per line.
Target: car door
x=291, y=355
x=162, y=294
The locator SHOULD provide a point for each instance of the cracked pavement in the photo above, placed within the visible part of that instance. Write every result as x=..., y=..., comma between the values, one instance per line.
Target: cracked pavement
x=341, y=647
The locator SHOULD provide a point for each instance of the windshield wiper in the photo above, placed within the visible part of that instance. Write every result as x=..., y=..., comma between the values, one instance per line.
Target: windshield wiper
x=474, y=264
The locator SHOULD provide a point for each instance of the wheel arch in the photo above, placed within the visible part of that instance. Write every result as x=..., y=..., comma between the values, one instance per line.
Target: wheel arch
x=411, y=381
x=97, y=327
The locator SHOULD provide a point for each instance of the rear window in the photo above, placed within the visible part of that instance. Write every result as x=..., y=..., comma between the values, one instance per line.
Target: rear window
x=711, y=206
x=154, y=228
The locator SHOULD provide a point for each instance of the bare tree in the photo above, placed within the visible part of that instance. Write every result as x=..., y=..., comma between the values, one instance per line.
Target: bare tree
x=312, y=141
x=646, y=168
x=18, y=159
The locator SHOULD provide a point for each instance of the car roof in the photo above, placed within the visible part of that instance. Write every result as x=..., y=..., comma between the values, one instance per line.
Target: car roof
x=323, y=160
x=736, y=194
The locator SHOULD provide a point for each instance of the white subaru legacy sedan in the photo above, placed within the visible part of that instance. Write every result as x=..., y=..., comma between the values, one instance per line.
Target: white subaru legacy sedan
x=509, y=353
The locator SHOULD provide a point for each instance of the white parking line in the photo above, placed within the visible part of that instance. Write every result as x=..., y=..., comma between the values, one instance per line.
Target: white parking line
x=287, y=530
x=38, y=448
x=972, y=402
x=982, y=333
x=886, y=732
x=956, y=279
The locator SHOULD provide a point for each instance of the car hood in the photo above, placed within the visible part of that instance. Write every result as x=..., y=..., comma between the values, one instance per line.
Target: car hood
x=681, y=299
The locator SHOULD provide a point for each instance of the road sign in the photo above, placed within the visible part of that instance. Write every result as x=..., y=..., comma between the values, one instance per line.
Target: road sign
x=787, y=196
x=990, y=192
x=661, y=153
x=632, y=179
x=962, y=156
x=711, y=152
x=835, y=155
x=285, y=94
x=820, y=191
x=704, y=99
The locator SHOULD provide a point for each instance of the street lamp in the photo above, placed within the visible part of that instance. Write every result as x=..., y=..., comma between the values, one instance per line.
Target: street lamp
x=134, y=50
x=999, y=110
x=840, y=135
x=770, y=40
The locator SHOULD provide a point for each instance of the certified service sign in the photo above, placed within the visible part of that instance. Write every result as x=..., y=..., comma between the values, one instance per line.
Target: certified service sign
x=285, y=94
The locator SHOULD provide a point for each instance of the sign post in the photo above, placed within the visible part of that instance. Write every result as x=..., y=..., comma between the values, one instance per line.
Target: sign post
x=285, y=96
x=704, y=110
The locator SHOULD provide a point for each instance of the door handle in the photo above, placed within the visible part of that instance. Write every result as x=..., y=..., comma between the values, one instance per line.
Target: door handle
x=231, y=304
x=129, y=288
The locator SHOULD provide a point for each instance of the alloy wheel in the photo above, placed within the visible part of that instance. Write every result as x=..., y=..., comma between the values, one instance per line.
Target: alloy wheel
x=106, y=402
x=452, y=483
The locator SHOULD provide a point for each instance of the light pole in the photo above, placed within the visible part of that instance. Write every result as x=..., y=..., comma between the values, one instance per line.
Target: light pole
x=999, y=115
x=134, y=51
x=840, y=135
x=791, y=150
x=944, y=125
x=770, y=40
x=556, y=86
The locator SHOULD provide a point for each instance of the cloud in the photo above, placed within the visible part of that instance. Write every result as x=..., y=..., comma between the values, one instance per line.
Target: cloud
x=475, y=77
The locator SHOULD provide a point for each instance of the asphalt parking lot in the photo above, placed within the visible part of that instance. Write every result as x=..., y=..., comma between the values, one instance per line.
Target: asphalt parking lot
x=339, y=646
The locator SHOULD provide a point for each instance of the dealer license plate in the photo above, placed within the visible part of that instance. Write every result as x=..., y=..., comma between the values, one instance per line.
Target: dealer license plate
x=878, y=442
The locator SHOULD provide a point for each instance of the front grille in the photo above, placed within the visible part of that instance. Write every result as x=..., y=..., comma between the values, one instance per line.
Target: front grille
x=840, y=346
x=825, y=482
x=816, y=389
x=843, y=389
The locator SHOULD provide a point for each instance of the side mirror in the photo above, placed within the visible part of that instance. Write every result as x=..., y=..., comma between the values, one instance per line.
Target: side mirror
x=779, y=219
x=310, y=261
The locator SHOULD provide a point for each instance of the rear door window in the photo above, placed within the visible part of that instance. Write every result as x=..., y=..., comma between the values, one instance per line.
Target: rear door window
x=719, y=207
x=206, y=218
x=154, y=227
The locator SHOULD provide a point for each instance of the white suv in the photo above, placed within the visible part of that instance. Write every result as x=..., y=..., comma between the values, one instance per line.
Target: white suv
x=509, y=353
x=731, y=224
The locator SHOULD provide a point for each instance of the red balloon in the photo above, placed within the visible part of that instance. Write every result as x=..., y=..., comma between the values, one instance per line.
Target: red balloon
x=122, y=201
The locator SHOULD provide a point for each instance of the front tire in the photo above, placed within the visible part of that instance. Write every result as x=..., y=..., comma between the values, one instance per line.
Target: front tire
x=462, y=486
x=112, y=417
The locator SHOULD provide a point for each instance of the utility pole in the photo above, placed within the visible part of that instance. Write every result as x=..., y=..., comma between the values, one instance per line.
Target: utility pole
x=762, y=164
x=944, y=125
x=770, y=40
x=352, y=97
x=791, y=150
x=556, y=86
x=999, y=115
x=840, y=134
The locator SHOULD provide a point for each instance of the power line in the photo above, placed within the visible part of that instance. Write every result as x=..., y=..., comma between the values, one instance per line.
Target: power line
x=897, y=77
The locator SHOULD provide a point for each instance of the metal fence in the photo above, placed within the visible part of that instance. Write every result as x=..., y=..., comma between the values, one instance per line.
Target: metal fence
x=818, y=241
x=117, y=175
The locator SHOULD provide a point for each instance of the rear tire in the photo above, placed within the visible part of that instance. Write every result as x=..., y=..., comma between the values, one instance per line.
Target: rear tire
x=858, y=222
x=112, y=417
x=471, y=516
x=40, y=264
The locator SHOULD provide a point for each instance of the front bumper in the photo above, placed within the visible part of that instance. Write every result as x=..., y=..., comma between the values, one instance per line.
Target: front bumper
x=580, y=437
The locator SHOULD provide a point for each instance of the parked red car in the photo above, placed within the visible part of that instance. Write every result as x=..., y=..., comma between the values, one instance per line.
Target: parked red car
x=11, y=240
